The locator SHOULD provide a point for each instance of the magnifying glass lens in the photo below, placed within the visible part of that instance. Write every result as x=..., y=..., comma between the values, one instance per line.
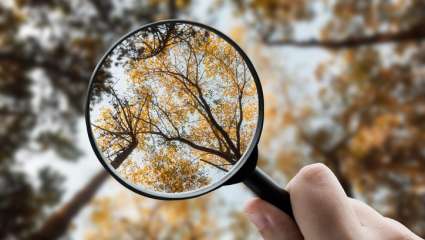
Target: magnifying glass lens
x=173, y=108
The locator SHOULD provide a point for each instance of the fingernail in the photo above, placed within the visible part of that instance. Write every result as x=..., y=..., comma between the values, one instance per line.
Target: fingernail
x=259, y=220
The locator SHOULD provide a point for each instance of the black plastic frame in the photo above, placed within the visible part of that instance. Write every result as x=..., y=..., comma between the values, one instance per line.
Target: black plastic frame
x=227, y=179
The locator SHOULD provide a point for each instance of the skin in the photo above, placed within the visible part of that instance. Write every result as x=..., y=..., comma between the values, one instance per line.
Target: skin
x=323, y=211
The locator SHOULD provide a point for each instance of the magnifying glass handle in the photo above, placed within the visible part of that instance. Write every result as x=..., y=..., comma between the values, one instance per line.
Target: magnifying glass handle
x=262, y=185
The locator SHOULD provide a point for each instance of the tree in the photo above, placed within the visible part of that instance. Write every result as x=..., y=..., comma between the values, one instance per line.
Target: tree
x=191, y=76
x=118, y=131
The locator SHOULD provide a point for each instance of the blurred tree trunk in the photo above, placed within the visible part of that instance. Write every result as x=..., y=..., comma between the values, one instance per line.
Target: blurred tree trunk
x=172, y=9
x=57, y=224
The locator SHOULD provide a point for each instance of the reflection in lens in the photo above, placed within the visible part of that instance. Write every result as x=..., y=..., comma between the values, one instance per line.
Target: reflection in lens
x=173, y=107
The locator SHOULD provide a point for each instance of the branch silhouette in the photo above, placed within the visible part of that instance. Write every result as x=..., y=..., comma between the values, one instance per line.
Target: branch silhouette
x=415, y=33
x=188, y=94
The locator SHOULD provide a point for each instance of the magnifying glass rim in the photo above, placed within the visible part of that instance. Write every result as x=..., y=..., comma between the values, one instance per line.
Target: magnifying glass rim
x=204, y=190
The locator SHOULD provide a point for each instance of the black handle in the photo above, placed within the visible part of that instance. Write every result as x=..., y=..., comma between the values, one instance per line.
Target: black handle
x=268, y=190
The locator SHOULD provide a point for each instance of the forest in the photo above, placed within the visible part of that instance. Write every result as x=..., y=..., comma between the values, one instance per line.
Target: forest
x=343, y=82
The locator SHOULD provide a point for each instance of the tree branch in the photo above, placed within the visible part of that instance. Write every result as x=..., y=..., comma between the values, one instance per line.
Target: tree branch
x=415, y=33
x=192, y=144
x=214, y=165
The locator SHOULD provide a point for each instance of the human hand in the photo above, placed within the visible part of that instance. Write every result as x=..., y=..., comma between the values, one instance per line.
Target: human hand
x=323, y=211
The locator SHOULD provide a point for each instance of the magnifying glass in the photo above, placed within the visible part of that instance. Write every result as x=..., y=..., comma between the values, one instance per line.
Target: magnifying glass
x=174, y=110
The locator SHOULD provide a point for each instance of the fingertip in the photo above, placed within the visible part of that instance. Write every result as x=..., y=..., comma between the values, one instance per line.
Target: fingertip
x=316, y=195
x=316, y=173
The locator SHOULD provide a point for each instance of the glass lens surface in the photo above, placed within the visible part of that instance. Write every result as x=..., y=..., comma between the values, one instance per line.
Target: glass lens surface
x=173, y=107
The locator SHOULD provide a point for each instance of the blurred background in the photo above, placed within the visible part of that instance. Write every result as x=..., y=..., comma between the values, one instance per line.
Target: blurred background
x=344, y=84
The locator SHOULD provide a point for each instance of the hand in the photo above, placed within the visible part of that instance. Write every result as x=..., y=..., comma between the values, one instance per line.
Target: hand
x=323, y=211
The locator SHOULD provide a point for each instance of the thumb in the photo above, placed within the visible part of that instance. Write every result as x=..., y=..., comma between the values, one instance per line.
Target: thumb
x=271, y=222
x=321, y=207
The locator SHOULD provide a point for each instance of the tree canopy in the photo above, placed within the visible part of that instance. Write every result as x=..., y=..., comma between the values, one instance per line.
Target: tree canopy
x=188, y=105
x=353, y=100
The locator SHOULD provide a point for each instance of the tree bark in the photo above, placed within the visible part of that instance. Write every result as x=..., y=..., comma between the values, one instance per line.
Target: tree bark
x=57, y=224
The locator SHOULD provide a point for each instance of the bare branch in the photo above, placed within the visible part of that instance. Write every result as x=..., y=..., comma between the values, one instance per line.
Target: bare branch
x=413, y=34
x=214, y=165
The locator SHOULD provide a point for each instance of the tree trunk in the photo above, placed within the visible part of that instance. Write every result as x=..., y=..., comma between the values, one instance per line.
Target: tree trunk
x=119, y=159
x=57, y=224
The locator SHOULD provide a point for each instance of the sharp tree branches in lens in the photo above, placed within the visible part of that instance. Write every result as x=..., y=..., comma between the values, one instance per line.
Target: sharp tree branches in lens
x=191, y=95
